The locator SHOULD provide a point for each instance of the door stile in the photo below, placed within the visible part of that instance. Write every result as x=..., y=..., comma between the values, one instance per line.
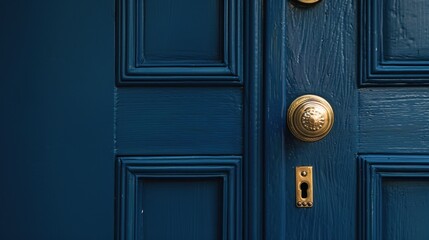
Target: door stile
x=253, y=122
x=274, y=126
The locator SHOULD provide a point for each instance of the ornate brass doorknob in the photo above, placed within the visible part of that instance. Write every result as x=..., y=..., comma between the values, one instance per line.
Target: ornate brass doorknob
x=310, y=118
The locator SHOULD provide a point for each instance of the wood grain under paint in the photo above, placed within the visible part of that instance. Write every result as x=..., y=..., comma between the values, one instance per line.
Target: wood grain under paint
x=394, y=120
x=406, y=31
x=316, y=55
x=168, y=121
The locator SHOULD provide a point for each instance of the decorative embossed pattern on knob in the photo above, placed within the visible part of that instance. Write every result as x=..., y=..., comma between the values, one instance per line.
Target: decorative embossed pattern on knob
x=310, y=118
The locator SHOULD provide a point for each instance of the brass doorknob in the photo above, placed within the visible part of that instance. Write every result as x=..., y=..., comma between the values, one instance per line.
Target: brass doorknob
x=305, y=3
x=310, y=118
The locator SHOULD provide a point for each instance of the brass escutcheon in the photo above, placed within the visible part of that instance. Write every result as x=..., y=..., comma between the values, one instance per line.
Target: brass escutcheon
x=304, y=186
x=310, y=118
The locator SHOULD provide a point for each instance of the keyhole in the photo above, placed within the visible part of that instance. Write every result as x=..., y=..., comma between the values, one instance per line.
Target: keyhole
x=304, y=188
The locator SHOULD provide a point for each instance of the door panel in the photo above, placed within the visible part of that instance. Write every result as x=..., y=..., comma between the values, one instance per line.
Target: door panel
x=163, y=41
x=179, y=197
x=394, y=45
x=392, y=189
x=188, y=114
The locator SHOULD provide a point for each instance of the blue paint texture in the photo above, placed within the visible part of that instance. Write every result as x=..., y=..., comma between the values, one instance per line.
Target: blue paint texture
x=56, y=107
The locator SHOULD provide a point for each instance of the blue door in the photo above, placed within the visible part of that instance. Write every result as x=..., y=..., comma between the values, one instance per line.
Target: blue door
x=163, y=119
x=369, y=60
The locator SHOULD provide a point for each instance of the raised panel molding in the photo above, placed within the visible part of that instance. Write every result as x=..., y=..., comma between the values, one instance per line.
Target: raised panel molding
x=200, y=193
x=394, y=46
x=160, y=41
x=380, y=175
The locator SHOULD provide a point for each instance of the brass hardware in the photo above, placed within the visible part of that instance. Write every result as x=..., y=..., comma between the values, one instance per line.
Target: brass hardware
x=310, y=118
x=307, y=2
x=304, y=186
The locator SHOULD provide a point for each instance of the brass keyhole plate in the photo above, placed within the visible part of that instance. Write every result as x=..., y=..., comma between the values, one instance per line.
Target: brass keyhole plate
x=304, y=186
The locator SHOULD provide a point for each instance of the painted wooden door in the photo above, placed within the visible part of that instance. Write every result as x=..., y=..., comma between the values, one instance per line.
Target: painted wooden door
x=162, y=119
x=130, y=119
x=369, y=59
x=188, y=126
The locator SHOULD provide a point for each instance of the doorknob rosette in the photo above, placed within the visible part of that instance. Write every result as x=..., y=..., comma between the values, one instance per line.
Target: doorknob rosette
x=310, y=118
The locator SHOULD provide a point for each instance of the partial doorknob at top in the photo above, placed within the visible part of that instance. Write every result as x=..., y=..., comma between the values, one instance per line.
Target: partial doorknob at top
x=310, y=118
x=305, y=3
